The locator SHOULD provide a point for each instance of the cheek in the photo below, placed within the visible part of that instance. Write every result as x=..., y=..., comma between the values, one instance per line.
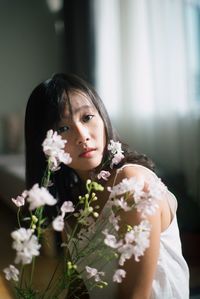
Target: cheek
x=102, y=134
x=103, y=130
x=104, y=138
x=69, y=147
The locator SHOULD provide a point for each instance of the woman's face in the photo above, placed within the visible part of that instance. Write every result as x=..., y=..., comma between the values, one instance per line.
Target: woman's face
x=84, y=130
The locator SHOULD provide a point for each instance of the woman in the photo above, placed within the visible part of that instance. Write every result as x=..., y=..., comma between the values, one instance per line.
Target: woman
x=67, y=104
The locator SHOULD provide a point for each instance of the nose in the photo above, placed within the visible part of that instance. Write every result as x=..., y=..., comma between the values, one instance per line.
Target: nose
x=82, y=134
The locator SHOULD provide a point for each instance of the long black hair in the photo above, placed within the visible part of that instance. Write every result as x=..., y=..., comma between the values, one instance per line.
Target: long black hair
x=43, y=112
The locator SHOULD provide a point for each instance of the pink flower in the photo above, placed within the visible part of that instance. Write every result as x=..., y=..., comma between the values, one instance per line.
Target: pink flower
x=110, y=240
x=93, y=272
x=119, y=274
x=116, y=159
x=67, y=207
x=58, y=223
x=103, y=175
x=19, y=201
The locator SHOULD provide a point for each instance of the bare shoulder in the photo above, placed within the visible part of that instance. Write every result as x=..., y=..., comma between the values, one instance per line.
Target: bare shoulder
x=135, y=170
x=152, y=188
x=146, y=177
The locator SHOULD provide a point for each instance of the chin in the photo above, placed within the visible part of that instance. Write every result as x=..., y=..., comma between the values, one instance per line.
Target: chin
x=91, y=165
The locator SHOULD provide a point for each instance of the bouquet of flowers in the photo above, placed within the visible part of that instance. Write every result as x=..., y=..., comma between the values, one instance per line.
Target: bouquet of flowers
x=94, y=241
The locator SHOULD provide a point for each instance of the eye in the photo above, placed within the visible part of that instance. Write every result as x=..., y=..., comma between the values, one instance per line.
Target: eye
x=63, y=129
x=87, y=117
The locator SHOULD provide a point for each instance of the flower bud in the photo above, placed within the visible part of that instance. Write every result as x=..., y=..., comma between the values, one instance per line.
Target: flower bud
x=34, y=219
x=69, y=265
x=129, y=228
x=96, y=215
x=105, y=283
x=90, y=209
x=33, y=226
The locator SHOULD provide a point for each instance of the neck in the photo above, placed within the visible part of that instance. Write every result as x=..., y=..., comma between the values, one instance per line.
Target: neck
x=89, y=174
x=86, y=175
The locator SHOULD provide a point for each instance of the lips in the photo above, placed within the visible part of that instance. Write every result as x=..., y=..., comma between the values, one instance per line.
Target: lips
x=87, y=153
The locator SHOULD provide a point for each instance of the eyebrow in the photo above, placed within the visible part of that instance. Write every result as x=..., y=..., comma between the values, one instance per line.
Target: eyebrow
x=77, y=110
x=84, y=107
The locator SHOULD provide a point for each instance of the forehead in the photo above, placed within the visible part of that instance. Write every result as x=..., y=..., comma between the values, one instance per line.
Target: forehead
x=77, y=102
x=78, y=99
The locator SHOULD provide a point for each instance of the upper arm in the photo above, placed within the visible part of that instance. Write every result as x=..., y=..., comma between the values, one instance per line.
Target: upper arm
x=139, y=275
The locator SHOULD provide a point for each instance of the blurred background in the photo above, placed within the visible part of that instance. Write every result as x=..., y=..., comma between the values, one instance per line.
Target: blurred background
x=142, y=56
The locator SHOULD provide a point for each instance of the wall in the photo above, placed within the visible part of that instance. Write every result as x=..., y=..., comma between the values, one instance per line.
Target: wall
x=31, y=49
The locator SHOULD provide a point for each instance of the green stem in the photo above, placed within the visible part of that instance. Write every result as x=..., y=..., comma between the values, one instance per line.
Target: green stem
x=50, y=281
x=21, y=276
x=18, y=218
x=32, y=271
x=47, y=174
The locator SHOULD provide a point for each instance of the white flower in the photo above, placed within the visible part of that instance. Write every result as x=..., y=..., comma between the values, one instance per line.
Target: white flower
x=136, y=242
x=24, y=193
x=122, y=203
x=19, y=201
x=64, y=157
x=129, y=237
x=114, y=220
x=20, y=235
x=53, y=143
x=58, y=223
x=156, y=188
x=53, y=147
x=110, y=240
x=115, y=147
x=144, y=199
x=118, y=275
x=38, y=197
x=103, y=175
x=11, y=272
x=141, y=234
x=147, y=203
x=126, y=251
x=92, y=272
x=67, y=207
x=116, y=159
x=26, y=244
x=127, y=185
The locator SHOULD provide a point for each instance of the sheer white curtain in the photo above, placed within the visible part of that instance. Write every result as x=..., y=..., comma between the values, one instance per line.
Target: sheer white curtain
x=142, y=75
